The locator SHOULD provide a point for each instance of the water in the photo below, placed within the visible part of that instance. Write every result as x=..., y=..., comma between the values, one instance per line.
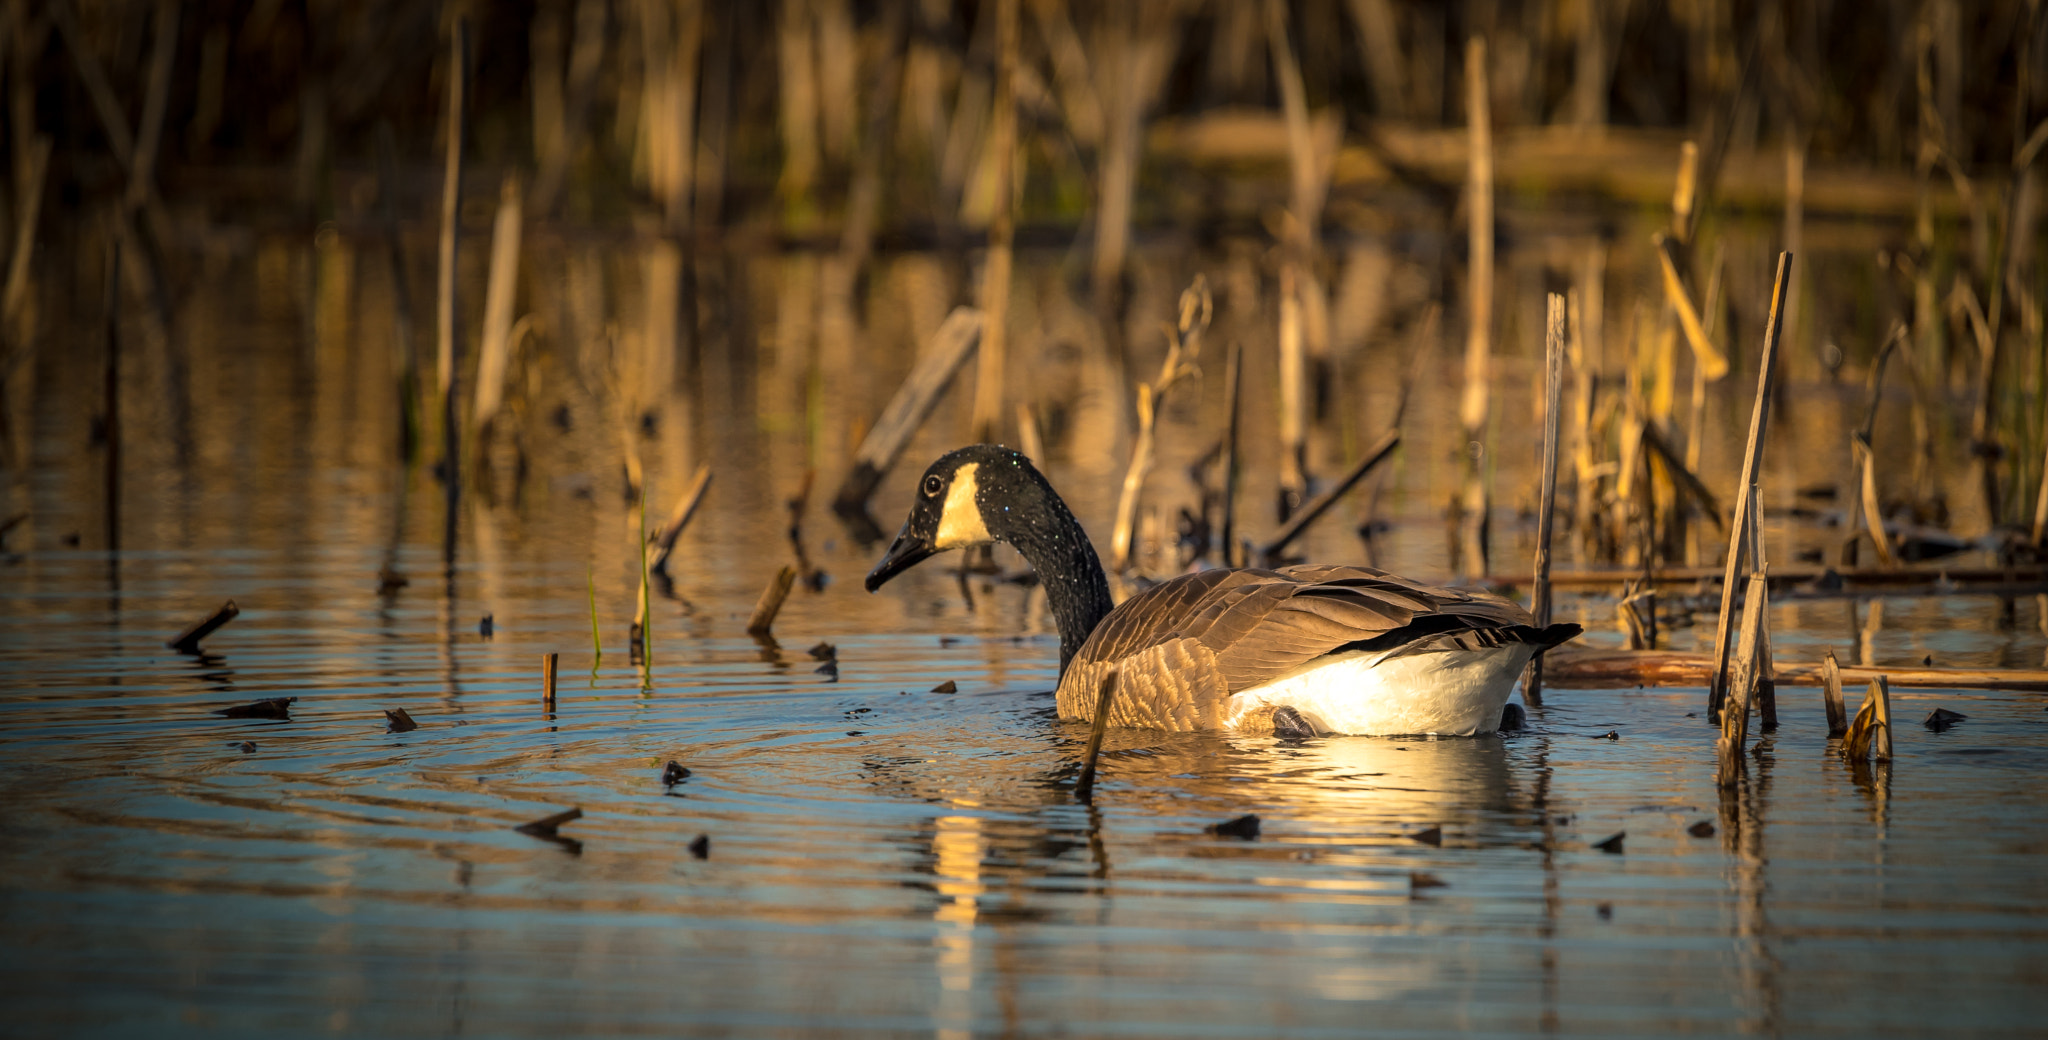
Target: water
x=882, y=859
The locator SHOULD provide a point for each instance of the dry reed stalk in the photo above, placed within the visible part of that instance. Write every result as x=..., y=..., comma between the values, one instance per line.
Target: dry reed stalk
x=1379, y=42
x=1748, y=670
x=1831, y=694
x=1865, y=461
x=113, y=118
x=142, y=168
x=1132, y=59
x=1553, y=380
x=1713, y=364
x=671, y=34
x=989, y=367
x=686, y=507
x=30, y=171
x=1233, y=376
x=908, y=409
x=187, y=642
x=1184, y=345
x=1269, y=553
x=586, y=62
x=111, y=398
x=548, y=663
x=797, y=93
x=1870, y=733
x=1029, y=441
x=406, y=355
x=1293, y=394
x=445, y=322
x=1746, y=493
x=500, y=295
x=1473, y=409
x=1105, y=699
x=763, y=620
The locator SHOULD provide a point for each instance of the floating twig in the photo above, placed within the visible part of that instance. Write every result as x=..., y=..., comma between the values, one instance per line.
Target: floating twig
x=187, y=642
x=1244, y=828
x=547, y=826
x=1105, y=699
x=770, y=603
x=267, y=708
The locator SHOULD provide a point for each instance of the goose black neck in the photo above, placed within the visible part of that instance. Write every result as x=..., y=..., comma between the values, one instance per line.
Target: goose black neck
x=1075, y=588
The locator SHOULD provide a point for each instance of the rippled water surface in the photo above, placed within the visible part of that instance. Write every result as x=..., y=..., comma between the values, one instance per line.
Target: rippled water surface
x=883, y=858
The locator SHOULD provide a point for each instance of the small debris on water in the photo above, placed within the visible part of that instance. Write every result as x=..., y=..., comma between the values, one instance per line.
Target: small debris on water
x=1245, y=827
x=546, y=826
x=1609, y=735
x=1606, y=911
x=397, y=721
x=1417, y=881
x=245, y=747
x=829, y=669
x=486, y=627
x=268, y=708
x=701, y=847
x=825, y=652
x=673, y=773
x=390, y=581
x=949, y=686
x=856, y=732
x=948, y=640
x=1943, y=718
x=1612, y=844
x=1702, y=829
x=1513, y=719
x=1432, y=836
x=1927, y=661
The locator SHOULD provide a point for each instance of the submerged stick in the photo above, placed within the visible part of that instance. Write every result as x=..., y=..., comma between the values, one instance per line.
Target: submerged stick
x=1307, y=514
x=187, y=642
x=1747, y=669
x=914, y=400
x=1831, y=693
x=1745, y=500
x=686, y=507
x=1553, y=379
x=548, y=664
x=1105, y=696
x=770, y=602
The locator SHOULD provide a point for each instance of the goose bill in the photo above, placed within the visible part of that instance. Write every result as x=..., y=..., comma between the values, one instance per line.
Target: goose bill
x=907, y=551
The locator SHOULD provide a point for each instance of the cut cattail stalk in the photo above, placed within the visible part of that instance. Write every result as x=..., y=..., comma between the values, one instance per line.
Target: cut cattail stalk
x=1105, y=697
x=770, y=603
x=1745, y=501
x=188, y=641
x=548, y=664
x=1307, y=514
x=686, y=507
x=1831, y=691
x=914, y=400
x=1553, y=379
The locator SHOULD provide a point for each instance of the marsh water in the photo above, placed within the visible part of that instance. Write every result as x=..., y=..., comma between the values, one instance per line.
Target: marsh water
x=881, y=858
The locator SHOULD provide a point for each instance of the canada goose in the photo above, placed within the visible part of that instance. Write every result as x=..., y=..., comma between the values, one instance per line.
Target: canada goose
x=1297, y=651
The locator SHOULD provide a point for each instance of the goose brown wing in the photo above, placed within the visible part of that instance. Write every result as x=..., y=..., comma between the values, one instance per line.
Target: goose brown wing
x=1257, y=625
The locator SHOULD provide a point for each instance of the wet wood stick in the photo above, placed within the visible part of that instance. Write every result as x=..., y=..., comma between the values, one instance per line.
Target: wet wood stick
x=1735, y=715
x=914, y=400
x=548, y=663
x=1831, y=692
x=188, y=641
x=1105, y=697
x=1745, y=498
x=1316, y=507
x=686, y=507
x=1881, y=694
x=1553, y=378
x=770, y=603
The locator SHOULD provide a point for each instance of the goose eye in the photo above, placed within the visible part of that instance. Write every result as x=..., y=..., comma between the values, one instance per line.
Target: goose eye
x=931, y=485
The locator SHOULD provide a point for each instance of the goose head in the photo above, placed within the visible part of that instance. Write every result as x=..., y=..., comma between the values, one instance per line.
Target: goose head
x=971, y=496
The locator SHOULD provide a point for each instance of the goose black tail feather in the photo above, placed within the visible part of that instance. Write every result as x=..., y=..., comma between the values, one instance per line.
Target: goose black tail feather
x=1447, y=633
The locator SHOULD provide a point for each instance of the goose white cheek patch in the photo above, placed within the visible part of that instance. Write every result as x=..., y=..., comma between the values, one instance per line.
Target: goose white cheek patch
x=960, y=522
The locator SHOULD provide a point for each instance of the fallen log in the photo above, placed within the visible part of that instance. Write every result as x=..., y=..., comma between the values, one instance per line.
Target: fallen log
x=1593, y=669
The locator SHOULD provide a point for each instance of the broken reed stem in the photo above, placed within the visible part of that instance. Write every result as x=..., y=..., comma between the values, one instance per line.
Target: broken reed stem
x=1476, y=504
x=142, y=168
x=1881, y=692
x=500, y=296
x=1831, y=694
x=770, y=603
x=645, y=623
x=1233, y=372
x=445, y=314
x=995, y=280
x=1269, y=553
x=1752, y=464
x=548, y=663
x=1735, y=716
x=686, y=507
x=1029, y=441
x=1105, y=697
x=30, y=171
x=1553, y=379
x=187, y=642
x=950, y=346
x=1184, y=344
x=1293, y=392
x=401, y=296
x=1712, y=363
x=596, y=641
